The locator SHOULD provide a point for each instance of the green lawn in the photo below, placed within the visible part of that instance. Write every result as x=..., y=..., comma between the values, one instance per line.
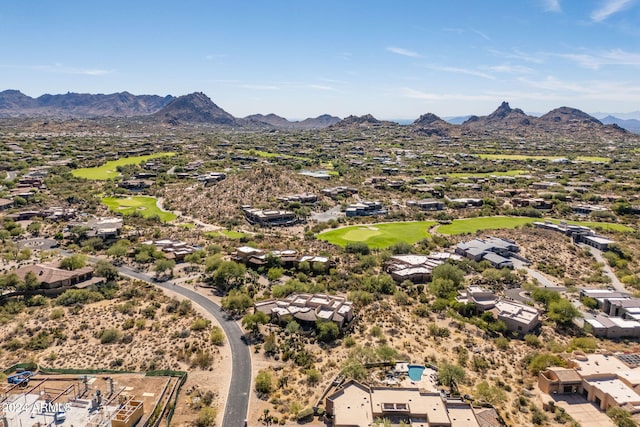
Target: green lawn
x=144, y=204
x=226, y=233
x=606, y=226
x=379, y=235
x=526, y=157
x=108, y=170
x=471, y=225
x=487, y=174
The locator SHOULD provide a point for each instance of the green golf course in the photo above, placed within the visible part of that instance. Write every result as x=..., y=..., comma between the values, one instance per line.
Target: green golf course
x=379, y=235
x=144, y=204
x=109, y=169
x=383, y=235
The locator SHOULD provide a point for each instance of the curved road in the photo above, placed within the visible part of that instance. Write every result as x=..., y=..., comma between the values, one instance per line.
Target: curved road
x=238, y=398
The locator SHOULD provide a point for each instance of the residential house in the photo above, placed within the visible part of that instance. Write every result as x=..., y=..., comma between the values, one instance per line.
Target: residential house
x=607, y=380
x=103, y=227
x=426, y=204
x=358, y=405
x=5, y=204
x=211, y=178
x=482, y=298
x=493, y=249
x=54, y=280
x=365, y=208
x=466, y=202
x=135, y=184
x=269, y=218
x=579, y=234
x=299, y=198
x=536, y=203
x=588, y=209
x=173, y=249
x=335, y=192
x=307, y=309
x=289, y=258
x=416, y=268
x=620, y=315
x=520, y=318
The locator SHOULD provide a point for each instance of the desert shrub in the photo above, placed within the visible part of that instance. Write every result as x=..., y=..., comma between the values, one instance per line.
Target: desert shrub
x=217, y=336
x=357, y=248
x=200, y=324
x=305, y=414
x=264, y=382
x=202, y=359
x=206, y=417
x=110, y=335
x=57, y=313
x=78, y=297
x=128, y=323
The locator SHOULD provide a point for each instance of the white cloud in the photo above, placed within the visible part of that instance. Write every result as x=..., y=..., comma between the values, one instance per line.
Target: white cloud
x=322, y=87
x=61, y=69
x=403, y=52
x=428, y=96
x=609, y=8
x=457, y=70
x=533, y=58
x=471, y=30
x=552, y=5
x=511, y=69
x=595, y=60
x=603, y=90
x=258, y=86
x=481, y=34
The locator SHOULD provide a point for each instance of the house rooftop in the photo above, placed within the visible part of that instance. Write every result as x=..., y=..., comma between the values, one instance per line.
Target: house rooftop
x=597, y=364
x=618, y=390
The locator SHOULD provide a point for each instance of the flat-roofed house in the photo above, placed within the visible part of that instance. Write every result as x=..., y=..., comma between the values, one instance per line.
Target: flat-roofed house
x=607, y=380
x=518, y=317
x=357, y=405
x=308, y=308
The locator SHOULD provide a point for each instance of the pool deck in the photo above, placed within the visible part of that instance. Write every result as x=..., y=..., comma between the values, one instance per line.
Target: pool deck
x=425, y=383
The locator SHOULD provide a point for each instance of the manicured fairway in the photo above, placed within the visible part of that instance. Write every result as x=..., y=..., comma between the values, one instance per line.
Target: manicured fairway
x=231, y=234
x=526, y=157
x=471, y=225
x=108, y=170
x=144, y=204
x=379, y=235
x=606, y=226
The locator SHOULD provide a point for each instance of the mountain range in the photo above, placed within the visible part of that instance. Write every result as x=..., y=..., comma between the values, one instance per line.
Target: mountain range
x=14, y=103
x=198, y=108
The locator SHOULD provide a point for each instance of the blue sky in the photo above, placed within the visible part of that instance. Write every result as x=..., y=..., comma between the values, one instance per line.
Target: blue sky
x=302, y=58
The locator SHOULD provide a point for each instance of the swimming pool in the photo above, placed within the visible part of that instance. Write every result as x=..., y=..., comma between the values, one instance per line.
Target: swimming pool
x=415, y=372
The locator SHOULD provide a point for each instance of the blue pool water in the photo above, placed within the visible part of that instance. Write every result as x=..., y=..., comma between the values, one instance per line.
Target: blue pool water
x=415, y=372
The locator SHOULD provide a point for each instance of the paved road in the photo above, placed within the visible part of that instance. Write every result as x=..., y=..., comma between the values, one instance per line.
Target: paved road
x=597, y=254
x=542, y=279
x=238, y=399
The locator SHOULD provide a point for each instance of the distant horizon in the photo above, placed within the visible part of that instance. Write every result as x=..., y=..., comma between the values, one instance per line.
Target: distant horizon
x=399, y=120
x=307, y=58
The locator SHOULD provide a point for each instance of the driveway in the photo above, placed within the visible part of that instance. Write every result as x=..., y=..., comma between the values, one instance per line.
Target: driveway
x=585, y=413
x=534, y=274
x=597, y=254
x=238, y=399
